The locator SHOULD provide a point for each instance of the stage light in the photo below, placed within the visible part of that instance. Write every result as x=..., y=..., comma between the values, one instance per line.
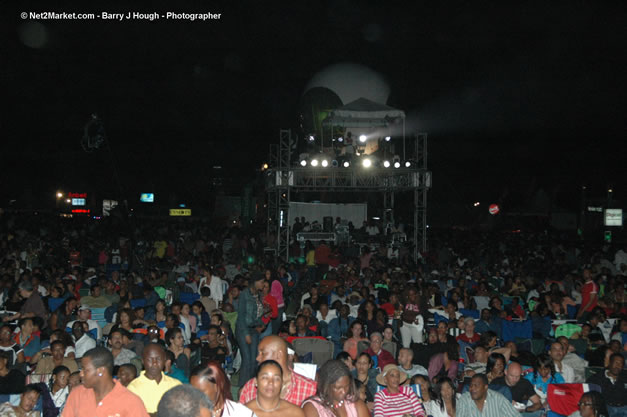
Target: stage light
x=264, y=166
x=68, y=200
x=340, y=139
x=346, y=164
x=334, y=163
x=367, y=163
x=59, y=194
x=407, y=164
x=386, y=164
x=476, y=204
x=388, y=138
x=362, y=138
x=397, y=164
x=303, y=163
x=314, y=162
x=312, y=138
x=325, y=163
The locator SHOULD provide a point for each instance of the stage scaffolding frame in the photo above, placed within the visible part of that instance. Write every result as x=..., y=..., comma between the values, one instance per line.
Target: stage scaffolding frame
x=283, y=178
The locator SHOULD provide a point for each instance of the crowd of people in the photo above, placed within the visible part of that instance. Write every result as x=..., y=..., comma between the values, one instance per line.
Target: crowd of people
x=187, y=319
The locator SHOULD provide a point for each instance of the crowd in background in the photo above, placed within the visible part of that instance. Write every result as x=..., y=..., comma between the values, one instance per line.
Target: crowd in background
x=484, y=324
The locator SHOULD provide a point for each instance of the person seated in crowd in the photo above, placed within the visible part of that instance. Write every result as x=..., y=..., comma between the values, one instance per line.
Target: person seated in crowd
x=99, y=393
x=557, y=354
x=480, y=401
x=522, y=390
x=354, y=335
x=339, y=327
x=121, y=355
x=444, y=402
x=302, y=330
x=126, y=373
x=213, y=382
x=613, y=381
x=396, y=399
x=544, y=373
x=365, y=373
x=446, y=363
x=28, y=401
x=295, y=388
x=84, y=315
x=336, y=391
x=480, y=363
x=381, y=357
x=55, y=394
x=469, y=336
x=12, y=381
x=95, y=299
x=82, y=340
x=47, y=364
x=28, y=338
x=152, y=382
x=215, y=348
x=405, y=362
x=185, y=401
x=176, y=344
x=268, y=400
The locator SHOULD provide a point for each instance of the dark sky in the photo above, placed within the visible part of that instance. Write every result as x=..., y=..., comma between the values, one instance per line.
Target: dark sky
x=514, y=96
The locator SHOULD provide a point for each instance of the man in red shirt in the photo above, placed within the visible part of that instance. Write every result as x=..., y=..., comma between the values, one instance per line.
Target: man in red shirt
x=589, y=295
x=383, y=357
x=296, y=388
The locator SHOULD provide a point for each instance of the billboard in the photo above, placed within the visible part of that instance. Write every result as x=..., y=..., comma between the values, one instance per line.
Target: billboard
x=147, y=197
x=613, y=217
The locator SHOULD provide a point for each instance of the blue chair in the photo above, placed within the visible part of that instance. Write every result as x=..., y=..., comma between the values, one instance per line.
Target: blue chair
x=510, y=330
x=55, y=303
x=438, y=318
x=188, y=297
x=200, y=333
x=98, y=314
x=475, y=314
x=138, y=302
x=572, y=311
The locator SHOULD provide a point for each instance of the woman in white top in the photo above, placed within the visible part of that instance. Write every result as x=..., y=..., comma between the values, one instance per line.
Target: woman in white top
x=211, y=379
x=444, y=403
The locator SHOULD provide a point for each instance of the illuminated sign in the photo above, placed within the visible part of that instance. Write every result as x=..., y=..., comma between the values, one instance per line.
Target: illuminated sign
x=180, y=212
x=77, y=195
x=78, y=201
x=80, y=211
x=614, y=217
x=147, y=198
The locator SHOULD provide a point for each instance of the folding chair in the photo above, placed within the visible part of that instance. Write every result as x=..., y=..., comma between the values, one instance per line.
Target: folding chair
x=321, y=349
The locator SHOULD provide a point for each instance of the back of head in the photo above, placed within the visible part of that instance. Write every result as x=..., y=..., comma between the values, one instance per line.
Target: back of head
x=100, y=357
x=183, y=401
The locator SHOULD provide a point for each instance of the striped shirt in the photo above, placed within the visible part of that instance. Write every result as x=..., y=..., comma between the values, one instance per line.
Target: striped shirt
x=495, y=406
x=397, y=405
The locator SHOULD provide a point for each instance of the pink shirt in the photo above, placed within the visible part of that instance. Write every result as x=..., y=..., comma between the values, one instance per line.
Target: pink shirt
x=276, y=290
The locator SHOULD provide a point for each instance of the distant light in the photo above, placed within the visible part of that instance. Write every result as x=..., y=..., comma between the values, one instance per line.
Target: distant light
x=376, y=218
x=386, y=164
x=314, y=162
x=407, y=164
x=182, y=205
x=476, y=204
x=357, y=153
x=59, y=194
x=340, y=139
x=397, y=164
x=362, y=138
x=264, y=166
x=312, y=138
x=303, y=163
x=68, y=200
x=325, y=163
x=346, y=164
x=610, y=190
x=367, y=163
x=388, y=138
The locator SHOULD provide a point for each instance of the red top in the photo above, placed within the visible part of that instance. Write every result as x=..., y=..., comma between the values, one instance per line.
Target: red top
x=587, y=292
x=464, y=338
x=119, y=402
x=321, y=255
x=270, y=301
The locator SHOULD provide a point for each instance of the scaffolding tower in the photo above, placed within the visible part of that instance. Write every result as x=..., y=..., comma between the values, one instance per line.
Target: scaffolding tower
x=283, y=178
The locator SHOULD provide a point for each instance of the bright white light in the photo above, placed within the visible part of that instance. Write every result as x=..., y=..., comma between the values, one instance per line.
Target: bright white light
x=362, y=138
x=367, y=163
x=346, y=164
x=325, y=163
x=311, y=138
x=303, y=163
x=476, y=204
x=314, y=162
x=388, y=138
x=59, y=194
x=386, y=164
x=340, y=139
x=397, y=164
x=68, y=200
x=264, y=166
x=407, y=164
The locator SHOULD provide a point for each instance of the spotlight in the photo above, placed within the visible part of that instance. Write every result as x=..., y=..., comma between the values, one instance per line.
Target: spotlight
x=340, y=139
x=303, y=163
x=362, y=138
x=334, y=163
x=386, y=164
x=397, y=164
x=367, y=163
x=346, y=164
x=407, y=164
x=314, y=162
x=325, y=163
x=264, y=166
x=311, y=138
x=388, y=138
x=59, y=194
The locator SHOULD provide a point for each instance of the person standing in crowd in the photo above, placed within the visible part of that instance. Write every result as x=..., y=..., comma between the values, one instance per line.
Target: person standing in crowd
x=267, y=401
x=100, y=394
x=613, y=381
x=249, y=325
x=213, y=382
x=589, y=295
x=152, y=383
x=185, y=401
x=295, y=388
x=396, y=399
x=480, y=401
x=336, y=391
x=412, y=320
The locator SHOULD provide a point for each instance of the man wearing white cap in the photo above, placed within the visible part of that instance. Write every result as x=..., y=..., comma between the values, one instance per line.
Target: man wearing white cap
x=84, y=314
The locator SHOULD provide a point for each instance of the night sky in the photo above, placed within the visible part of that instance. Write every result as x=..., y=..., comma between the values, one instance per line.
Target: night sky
x=515, y=97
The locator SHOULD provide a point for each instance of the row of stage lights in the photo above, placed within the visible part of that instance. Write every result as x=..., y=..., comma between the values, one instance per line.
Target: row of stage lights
x=362, y=139
x=365, y=162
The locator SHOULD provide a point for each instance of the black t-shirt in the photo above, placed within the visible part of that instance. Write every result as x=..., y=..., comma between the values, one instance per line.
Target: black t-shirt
x=208, y=353
x=12, y=383
x=521, y=392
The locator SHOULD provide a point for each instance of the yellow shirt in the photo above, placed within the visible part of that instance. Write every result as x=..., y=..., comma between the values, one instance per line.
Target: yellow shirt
x=149, y=391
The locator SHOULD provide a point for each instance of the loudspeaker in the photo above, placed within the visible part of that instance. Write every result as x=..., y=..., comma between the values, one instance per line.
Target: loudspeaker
x=327, y=224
